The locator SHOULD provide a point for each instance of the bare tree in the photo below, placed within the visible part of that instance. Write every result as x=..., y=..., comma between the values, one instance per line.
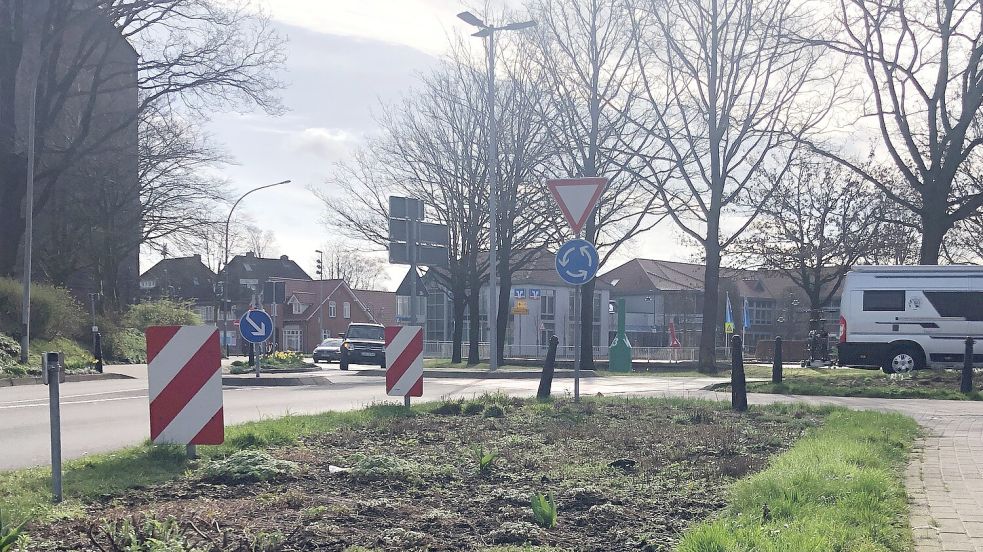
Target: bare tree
x=727, y=92
x=817, y=224
x=585, y=58
x=922, y=63
x=357, y=268
x=261, y=242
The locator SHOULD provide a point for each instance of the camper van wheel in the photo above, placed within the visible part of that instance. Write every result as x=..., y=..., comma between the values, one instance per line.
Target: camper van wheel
x=903, y=359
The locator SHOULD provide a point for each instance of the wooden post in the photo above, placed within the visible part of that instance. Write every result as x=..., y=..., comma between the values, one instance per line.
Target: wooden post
x=738, y=384
x=776, y=364
x=966, y=385
x=546, y=379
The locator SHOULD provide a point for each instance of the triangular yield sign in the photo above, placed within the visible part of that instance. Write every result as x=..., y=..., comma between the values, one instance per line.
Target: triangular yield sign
x=577, y=198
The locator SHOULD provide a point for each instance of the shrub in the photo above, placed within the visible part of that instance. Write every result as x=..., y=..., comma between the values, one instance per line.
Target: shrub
x=384, y=468
x=238, y=363
x=54, y=312
x=163, y=312
x=494, y=411
x=544, y=510
x=448, y=408
x=472, y=408
x=128, y=344
x=247, y=466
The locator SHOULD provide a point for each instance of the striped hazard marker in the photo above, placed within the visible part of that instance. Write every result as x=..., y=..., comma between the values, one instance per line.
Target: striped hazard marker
x=185, y=373
x=404, y=361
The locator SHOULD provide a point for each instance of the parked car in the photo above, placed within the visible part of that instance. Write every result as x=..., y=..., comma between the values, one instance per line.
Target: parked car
x=905, y=318
x=363, y=344
x=328, y=350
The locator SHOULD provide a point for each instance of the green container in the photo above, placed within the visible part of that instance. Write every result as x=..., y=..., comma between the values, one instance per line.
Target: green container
x=619, y=353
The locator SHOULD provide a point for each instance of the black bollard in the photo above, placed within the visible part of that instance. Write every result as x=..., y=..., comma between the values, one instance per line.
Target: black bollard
x=738, y=385
x=99, y=352
x=966, y=385
x=776, y=364
x=546, y=379
x=252, y=356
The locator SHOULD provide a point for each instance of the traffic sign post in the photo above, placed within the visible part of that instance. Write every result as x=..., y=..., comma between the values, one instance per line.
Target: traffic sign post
x=255, y=326
x=404, y=362
x=577, y=261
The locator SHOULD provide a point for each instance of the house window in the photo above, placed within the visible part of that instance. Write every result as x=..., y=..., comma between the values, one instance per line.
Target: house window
x=761, y=312
x=348, y=309
x=332, y=309
x=548, y=305
x=325, y=334
x=546, y=331
x=293, y=339
x=297, y=306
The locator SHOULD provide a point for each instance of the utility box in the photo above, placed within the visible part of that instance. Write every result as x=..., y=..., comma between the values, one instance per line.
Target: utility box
x=52, y=362
x=619, y=353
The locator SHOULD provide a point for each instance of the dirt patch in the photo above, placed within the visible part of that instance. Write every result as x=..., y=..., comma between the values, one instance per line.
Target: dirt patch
x=627, y=475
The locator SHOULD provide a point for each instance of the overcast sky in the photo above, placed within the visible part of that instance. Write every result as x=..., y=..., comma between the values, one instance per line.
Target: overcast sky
x=344, y=58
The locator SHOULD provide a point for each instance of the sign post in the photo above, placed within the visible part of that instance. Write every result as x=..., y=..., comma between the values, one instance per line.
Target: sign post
x=577, y=260
x=53, y=373
x=255, y=326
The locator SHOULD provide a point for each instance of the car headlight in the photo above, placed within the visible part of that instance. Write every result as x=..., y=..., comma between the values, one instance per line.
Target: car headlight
x=346, y=345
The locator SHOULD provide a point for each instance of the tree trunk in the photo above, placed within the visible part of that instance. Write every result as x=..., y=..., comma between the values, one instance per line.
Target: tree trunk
x=711, y=287
x=504, y=304
x=815, y=310
x=12, y=175
x=934, y=228
x=587, y=325
x=474, y=324
x=459, y=305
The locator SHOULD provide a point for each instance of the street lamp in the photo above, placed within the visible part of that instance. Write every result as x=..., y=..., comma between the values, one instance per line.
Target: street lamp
x=488, y=31
x=225, y=262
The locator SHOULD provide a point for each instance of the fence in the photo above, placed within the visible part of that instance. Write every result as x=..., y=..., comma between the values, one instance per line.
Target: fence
x=442, y=349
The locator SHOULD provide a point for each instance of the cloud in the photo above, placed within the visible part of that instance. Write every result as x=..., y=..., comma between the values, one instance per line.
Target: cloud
x=323, y=143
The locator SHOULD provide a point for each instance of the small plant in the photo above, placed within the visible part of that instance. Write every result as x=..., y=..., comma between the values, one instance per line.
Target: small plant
x=472, y=408
x=544, y=510
x=247, y=466
x=138, y=534
x=448, y=408
x=485, y=460
x=9, y=535
x=494, y=411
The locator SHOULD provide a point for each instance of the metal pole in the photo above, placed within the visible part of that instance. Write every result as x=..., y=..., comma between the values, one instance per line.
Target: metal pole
x=25, y=339
x=54, y=404
x=255, y=359
x=192, y=452
x=492, y=210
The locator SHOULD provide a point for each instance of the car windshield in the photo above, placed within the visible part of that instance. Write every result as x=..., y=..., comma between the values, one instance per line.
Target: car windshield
x=365, y=332
x=331, y=343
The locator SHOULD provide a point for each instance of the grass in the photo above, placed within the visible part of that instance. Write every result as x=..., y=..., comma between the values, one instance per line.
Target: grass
x=839, y=488
x=78, y=358
x=445, y=363
x=26, y=493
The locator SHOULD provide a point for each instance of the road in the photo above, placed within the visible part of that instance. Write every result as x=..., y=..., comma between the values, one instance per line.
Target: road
x=105, y=415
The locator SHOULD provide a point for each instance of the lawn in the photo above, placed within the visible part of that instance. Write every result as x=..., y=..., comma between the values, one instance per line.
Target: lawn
x=446, y=364
x=626, y=474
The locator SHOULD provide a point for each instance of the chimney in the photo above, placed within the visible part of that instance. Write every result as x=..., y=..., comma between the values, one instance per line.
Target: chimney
x=198, y=257
x=284, y=258
x=250, y=255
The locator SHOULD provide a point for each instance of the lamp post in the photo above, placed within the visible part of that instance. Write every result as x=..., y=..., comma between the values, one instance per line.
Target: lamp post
x=488, y=31
x=225, y=263
x=320, y=288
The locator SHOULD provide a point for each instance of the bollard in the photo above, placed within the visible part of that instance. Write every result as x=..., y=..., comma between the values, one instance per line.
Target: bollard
x=99, y=352
x=966, y=385
x=776, y=364
x=53, y=372
x=738, y=385
x=546, y=379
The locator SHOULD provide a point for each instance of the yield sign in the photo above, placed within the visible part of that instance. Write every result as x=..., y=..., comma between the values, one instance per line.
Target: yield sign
x=577, y=198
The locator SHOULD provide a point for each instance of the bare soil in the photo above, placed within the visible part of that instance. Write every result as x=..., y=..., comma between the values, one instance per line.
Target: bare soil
x=626, y=474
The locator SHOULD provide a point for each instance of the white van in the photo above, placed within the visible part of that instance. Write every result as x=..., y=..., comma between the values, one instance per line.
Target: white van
x=904, y=318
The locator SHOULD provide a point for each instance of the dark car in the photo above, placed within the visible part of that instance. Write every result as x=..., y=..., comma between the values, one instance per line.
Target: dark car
x=328, y=350
x=363, y=344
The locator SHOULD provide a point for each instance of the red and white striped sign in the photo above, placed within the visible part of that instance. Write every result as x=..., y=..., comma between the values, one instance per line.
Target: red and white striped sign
x=404, y=361
x=185, y=373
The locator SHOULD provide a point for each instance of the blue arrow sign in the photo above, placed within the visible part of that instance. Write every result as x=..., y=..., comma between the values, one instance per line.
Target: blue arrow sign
x=256, y=326
x=577, y=262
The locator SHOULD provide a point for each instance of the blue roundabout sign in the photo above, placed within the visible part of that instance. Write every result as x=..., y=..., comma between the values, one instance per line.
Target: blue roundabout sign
x=577, y=262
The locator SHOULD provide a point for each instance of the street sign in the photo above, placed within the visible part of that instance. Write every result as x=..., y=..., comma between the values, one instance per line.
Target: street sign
x=577, y=197
x=184, y=372
x=520, y=307
x=404, y=361
x=274, y=292
x=405, y=208
x=535, y=293
x=256, y=326
x=426, y=255
x=427, y=233
x=577, y=262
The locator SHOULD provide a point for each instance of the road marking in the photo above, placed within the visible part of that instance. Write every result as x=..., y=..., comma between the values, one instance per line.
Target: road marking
x=79, y=395
x=44, y=402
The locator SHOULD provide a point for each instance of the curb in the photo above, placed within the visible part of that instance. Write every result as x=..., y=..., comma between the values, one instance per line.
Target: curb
x=253, y=381
x=69, y=378
x=458, y=374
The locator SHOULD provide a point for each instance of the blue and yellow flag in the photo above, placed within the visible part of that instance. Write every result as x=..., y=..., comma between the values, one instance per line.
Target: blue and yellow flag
x=729, y=320
x=747, y=316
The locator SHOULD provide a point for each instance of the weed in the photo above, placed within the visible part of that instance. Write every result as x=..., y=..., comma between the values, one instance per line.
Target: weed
x=472, y=408
x=544, y=510
x=485, y=459
x=385, y=468
x=517, y=532
x=494, y=411
x=9, y=535
x=448, y=408
x=138, y=534
x=266, y=541
x=247, y=466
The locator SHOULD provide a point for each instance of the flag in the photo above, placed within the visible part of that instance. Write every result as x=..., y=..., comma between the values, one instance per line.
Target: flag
x=673, y=340
x=747, y=316
x=729, y=320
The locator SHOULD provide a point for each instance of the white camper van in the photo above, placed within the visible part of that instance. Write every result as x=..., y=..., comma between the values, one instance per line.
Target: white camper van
x=904, y=318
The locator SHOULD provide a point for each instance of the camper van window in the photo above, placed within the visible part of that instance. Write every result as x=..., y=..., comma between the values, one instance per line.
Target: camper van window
x=884, y=300
x=958, y=304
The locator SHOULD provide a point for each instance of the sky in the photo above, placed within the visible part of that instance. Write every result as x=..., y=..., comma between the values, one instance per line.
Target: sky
x=345, y=59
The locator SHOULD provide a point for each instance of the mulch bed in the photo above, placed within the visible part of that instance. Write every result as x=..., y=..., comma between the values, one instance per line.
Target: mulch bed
x=626, y=474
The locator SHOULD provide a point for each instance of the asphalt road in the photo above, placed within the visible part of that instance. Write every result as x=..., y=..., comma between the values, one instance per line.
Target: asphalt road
x=101, y=416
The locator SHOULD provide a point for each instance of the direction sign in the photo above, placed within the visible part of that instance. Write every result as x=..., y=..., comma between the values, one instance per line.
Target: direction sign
x=577, y=198
x=577, y=262
x=404, y=361
x=256, y=326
